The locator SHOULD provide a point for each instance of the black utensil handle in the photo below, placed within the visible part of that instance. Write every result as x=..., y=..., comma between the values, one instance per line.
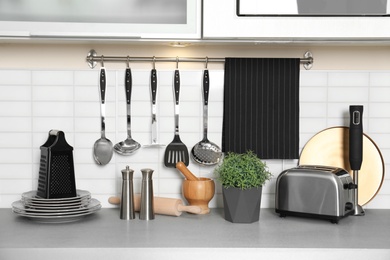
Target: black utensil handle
x=206, y=87
x=128, y=84
x=102, y=84
x=356, y=136
x=153, y=85
x=177, y=86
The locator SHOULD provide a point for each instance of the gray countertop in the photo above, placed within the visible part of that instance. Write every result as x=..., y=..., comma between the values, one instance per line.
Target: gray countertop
x=103, y=235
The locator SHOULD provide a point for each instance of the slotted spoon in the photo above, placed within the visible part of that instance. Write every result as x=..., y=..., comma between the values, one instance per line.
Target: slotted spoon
x=206, y=152
x=176, y=151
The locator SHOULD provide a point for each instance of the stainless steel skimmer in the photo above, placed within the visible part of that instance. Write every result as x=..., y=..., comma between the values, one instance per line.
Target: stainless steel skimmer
x=128, y=146
x=206, y=152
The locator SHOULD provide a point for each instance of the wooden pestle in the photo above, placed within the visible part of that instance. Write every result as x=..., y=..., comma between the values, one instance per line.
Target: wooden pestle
x=163, y=206
x=186, y=172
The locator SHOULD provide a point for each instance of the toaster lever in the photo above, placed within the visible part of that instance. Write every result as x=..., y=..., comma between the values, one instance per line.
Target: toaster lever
x=350, y=186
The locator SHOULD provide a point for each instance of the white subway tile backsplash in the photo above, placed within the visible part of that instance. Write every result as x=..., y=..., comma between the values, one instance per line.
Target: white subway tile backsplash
x=165, y=77
x=52, y=78
x=313, y=110
x=52, y=109
x=379, y=110
x=380, y=94
x=335, y=121
x=15, y=124
x=15, y=93
x=378, y=125
x=15, y=171
x=312, y=125
x=86, y=109
x=340, y=110
x=348, y=79
x=52, y=93
x=313, y=79
x=15, y=186
x=15, y=108
x=380, y=79
x=87, y=124
x=382, y=140
x=87, y=93
x=15, y=140
x=15, y=155
x=313, y=94
x=35, y=101
x=15, y=77
x=45, y=124
x=348, y=94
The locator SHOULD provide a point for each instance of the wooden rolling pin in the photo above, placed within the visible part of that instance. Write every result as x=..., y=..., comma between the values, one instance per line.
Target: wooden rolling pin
x=163, y=206
x=186, y=172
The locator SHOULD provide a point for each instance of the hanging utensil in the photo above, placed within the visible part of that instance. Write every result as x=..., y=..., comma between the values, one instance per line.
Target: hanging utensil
x=128, y=146
x=153, y=90
x=206, y=152
x=103, y=148
x=356, y=150
x=176, y=151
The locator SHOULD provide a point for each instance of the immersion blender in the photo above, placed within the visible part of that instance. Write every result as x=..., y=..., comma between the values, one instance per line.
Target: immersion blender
x=356, y=149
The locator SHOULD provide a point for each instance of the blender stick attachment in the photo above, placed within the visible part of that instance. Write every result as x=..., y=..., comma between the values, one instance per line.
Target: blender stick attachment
x=356, y=150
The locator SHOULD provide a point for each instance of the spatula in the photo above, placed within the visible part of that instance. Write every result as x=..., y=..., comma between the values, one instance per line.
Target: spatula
x=176, y=151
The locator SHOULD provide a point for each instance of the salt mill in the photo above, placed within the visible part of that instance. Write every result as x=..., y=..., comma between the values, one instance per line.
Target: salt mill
x=127, y=199
x=147, y=197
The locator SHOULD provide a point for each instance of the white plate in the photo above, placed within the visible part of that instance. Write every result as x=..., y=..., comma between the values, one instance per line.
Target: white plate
x=63, y=218
x=59, y=205
x=18, y=206
x=31, y=196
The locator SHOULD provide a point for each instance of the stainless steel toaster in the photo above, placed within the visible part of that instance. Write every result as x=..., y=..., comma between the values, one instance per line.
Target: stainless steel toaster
x=315, y=191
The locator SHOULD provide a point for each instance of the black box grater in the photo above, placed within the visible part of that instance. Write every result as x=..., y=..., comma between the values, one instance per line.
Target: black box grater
x=56, y=171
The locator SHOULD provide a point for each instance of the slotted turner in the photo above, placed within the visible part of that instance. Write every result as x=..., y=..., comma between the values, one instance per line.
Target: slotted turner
x=176, y=151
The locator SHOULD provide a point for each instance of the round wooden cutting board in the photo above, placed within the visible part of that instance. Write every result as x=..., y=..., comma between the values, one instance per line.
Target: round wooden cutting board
x=330, y=147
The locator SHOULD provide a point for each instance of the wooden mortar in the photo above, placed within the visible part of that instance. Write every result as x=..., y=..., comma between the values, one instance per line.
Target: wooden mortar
x=199, y=193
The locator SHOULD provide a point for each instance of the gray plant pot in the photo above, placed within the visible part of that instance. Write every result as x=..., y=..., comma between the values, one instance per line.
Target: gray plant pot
x=242, y=206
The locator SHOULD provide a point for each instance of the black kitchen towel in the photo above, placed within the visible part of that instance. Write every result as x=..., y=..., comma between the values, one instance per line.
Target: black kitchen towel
x=261, y=107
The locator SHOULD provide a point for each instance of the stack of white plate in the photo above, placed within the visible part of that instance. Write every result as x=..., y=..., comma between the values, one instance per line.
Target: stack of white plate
x=59, y=210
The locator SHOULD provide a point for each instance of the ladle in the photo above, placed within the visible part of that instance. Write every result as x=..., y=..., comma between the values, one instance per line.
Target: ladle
x=102, y=149
x=128, y=146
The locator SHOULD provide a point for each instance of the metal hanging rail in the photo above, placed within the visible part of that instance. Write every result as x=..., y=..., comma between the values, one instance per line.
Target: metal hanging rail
x=93, y=59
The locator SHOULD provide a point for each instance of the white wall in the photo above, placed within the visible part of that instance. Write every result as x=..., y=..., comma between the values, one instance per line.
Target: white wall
x=41, y=91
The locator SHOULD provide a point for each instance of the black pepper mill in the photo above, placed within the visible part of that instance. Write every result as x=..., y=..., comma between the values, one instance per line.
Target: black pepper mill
x=356, y=149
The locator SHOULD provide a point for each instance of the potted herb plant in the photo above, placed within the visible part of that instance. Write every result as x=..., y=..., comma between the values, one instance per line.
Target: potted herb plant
x=242, y=177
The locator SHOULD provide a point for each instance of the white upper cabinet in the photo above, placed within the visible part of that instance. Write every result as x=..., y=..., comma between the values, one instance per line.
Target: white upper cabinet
x=296, y=20
x=101, y=19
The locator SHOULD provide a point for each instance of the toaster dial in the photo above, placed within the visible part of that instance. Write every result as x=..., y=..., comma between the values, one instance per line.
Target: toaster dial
x=348, y=206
